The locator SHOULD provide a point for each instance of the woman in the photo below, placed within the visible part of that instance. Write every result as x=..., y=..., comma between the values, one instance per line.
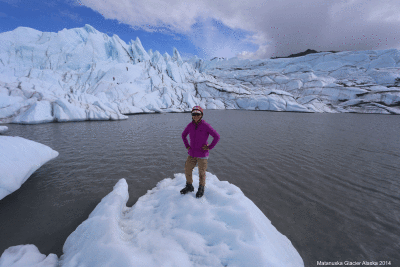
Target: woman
x=198, y=131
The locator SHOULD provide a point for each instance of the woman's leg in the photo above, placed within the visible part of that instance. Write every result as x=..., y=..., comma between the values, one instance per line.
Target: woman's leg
x=189, y=166
x=202, y=171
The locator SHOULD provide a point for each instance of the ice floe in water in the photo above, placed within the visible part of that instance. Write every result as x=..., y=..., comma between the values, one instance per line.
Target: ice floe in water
x=27, y=256
x=3, y=129
x=165, y=228
x=19, y=158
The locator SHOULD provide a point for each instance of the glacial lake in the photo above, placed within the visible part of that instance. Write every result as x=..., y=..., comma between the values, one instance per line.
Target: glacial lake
x=328, y=182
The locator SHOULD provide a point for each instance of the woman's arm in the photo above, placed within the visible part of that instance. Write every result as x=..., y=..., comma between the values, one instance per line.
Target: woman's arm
x=184, y=136
x=216, y=137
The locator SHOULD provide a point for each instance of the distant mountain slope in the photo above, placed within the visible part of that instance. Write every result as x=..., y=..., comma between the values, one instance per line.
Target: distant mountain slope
x=304, y=53
x=83, y=74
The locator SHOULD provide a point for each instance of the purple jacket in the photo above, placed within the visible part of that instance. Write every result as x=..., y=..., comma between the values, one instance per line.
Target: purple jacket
x=198, y=135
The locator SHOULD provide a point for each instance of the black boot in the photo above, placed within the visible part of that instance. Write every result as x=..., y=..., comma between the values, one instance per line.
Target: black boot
x=200, y=192
x=188, y=188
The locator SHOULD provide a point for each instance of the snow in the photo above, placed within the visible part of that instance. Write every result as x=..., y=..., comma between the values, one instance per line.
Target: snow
x=69, y=76
x=3, y=129
x=19, y=158
x=27, y=255
x=165, y=228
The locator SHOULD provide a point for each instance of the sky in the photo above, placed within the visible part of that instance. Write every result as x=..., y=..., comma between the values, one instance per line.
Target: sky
x=254, y=29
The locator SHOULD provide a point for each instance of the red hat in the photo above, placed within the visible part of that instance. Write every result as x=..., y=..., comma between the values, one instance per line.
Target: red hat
x=197, y=108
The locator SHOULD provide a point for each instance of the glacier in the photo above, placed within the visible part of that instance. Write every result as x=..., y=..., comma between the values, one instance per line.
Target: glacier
x=82, y=74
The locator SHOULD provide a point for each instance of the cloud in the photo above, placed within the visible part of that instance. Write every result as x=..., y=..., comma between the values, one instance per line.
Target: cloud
x=215, y=40
x=14, y=3
x=11, y=2
x=268, y=28
x=73, y=16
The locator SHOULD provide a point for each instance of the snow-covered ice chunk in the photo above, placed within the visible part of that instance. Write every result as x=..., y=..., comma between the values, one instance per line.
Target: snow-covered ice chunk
x=27, y=255
x=165, y=228
x=3, y=129
x=19, y=158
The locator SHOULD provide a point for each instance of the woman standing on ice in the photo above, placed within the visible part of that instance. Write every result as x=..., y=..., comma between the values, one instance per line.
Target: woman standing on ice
x=198, y=131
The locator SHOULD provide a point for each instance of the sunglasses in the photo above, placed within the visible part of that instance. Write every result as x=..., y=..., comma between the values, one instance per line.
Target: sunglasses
x=196, y=114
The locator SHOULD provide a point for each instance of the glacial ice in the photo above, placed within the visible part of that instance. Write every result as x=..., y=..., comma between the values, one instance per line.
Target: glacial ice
x=83, y=74
x=165, y=228
x=19, y=158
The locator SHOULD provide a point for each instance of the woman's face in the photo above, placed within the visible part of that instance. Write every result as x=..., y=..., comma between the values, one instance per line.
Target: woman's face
x=196, y=118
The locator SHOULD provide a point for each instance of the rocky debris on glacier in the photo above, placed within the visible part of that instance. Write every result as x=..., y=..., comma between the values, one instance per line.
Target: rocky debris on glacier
x=83, y=74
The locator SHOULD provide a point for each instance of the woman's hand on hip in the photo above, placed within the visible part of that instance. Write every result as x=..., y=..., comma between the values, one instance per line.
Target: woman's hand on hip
x=188, y=147
x=205, y=147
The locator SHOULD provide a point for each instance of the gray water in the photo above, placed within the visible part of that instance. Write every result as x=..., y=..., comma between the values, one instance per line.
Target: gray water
x=329, y=182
